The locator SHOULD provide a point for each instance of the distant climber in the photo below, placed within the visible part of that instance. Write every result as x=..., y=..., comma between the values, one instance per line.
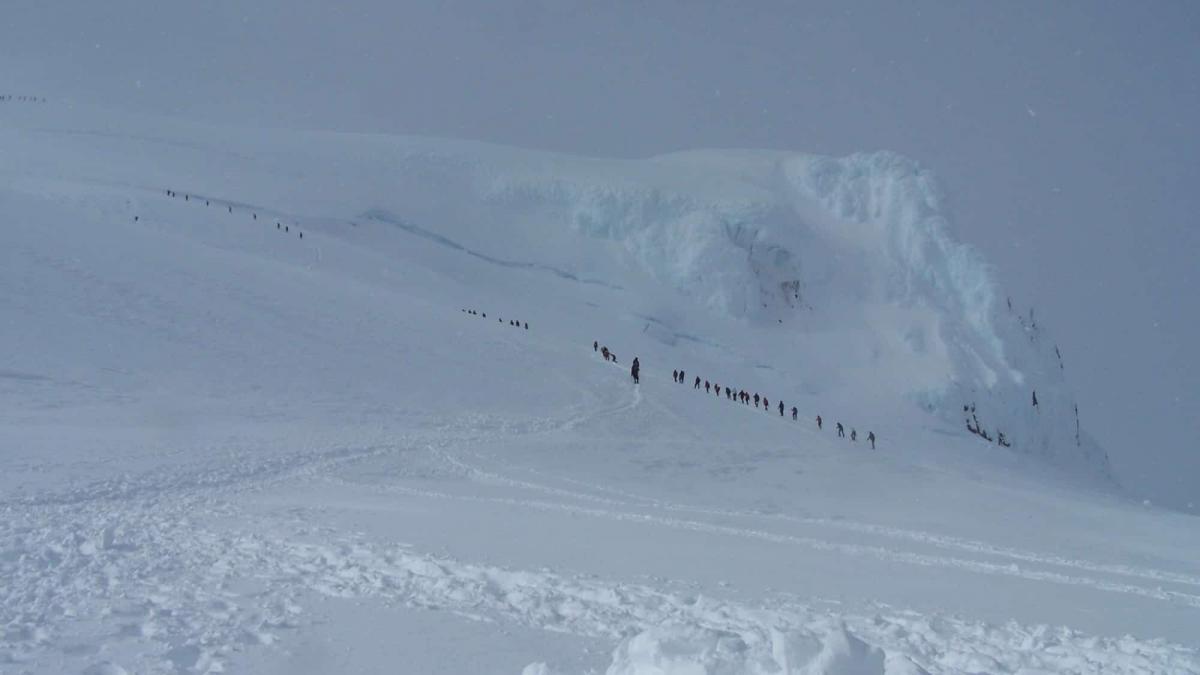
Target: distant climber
x=794, y=411
x=756, y=400
x=707, y=387
x=595, y=345
x=1035, y=404
x=635, y=370
x=675, y=376
x=818, y=422
x=681, y=377
x=526, y=325
x=766, y=404
x=697, y=384
x=781, y=408
x=604, y=352
x=841, y=431
x=728, y=393
x=853, y=435
x=871, y=437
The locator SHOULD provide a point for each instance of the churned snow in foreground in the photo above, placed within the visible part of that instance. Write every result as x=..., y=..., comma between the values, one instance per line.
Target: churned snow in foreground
x=230, y=448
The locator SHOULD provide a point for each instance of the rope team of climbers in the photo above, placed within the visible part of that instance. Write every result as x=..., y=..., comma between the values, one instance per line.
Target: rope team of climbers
x=730, y=393
x=187, y=197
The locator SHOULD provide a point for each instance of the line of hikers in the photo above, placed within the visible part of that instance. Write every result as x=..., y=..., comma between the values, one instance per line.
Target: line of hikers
x=4, y=98
x=744, y=397
x=511, y=322
x=229, y=208
x=605, y=352
x=978, y=430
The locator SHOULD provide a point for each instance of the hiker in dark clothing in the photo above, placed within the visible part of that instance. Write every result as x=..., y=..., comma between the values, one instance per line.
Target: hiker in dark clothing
x=1035, y=399
x=756, y=400
x=595, y=345
x=793, y=413
x=681, y=377
x=230, y=209
x=697, y=385
x=853, y=435
x=717, y=390
x=604, y=352
x=674, y=375
x=637, y=367
x=707, y=387
x=781, y=408
x=818, y=422
x=871, y=437
x=766, y=404
x=526, y=325
x=840, y=430
x=728, y=393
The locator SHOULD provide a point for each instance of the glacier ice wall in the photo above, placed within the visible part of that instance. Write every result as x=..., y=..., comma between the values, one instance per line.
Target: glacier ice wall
x=756, y=235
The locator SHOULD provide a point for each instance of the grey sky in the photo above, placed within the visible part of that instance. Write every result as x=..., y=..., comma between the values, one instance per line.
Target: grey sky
x=1064, y=132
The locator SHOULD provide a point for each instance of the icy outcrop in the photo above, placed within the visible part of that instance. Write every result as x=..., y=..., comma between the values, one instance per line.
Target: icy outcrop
x=858, y=246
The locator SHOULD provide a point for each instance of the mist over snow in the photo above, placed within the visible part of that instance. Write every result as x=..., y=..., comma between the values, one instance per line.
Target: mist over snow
x=301, y=311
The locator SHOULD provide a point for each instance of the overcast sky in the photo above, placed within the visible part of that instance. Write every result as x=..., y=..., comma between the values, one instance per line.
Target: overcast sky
x=1064, y=133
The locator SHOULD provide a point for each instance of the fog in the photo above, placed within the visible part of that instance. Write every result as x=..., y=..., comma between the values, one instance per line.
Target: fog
x=1063, y=133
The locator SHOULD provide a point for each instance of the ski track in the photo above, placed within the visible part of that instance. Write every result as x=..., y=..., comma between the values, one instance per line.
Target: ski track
x=171, y=576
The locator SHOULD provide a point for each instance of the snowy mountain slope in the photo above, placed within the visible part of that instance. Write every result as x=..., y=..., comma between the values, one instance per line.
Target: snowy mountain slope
x=229, y=447
x=848, y=257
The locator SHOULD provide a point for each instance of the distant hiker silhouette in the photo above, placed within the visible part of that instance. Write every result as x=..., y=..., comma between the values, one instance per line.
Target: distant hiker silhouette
x=756, y=400
x=682, y=375
x=1035, y=399
x=526, y=325
x=635, y=370
x=595, y=345
x=793, y=413
x=853, y=435
x=697, y=385
x=707, y=386
x=766, y=404
x=841, y=431
x=230, y=209
x=728, y=393
x=675, y=375
x=818, y=422
x=781, y=408
x=871, y=437
x=278, y=226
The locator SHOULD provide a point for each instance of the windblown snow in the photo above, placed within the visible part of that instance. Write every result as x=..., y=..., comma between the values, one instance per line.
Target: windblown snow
x=255, y=420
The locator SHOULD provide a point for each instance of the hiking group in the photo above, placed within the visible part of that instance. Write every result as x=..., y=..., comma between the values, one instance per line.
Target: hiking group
x=742, y=396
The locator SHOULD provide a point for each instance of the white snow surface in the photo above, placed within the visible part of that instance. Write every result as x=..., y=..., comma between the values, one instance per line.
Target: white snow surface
x=227, y=448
